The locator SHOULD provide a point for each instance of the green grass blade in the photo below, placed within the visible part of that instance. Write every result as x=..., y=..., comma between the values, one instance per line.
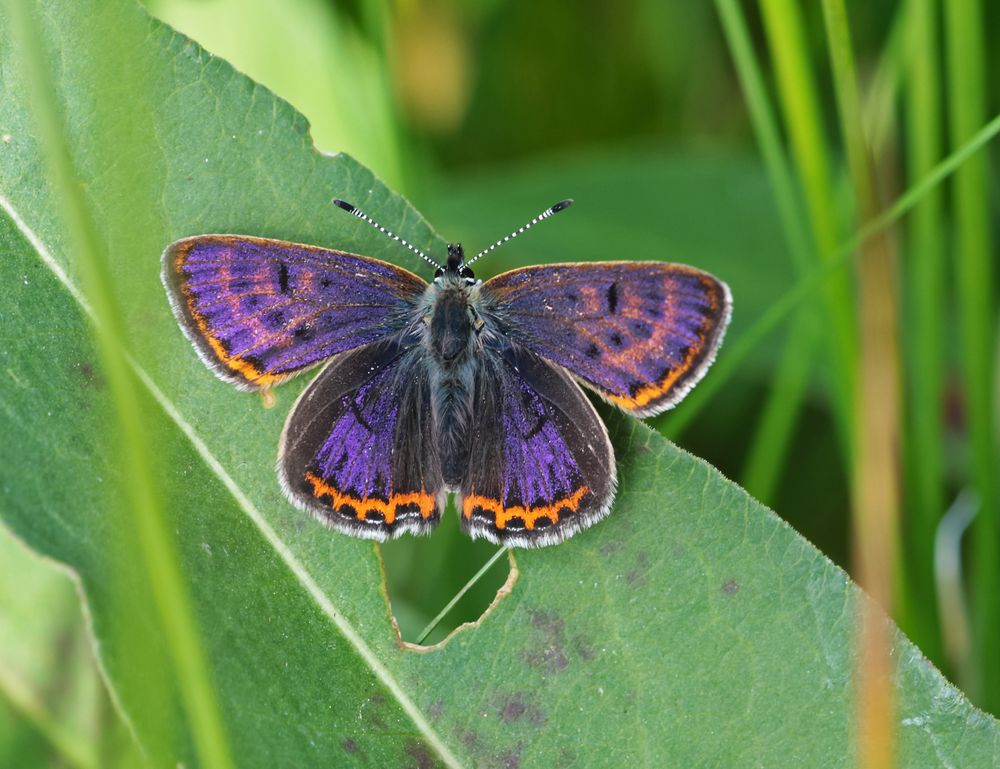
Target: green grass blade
x=70, y=749
x=924, y=313
x=457, y=597
x=158, y=550
x=966, y=63
x=799, y=101
x=791, y=377
x=761, y=472
x=874, y=488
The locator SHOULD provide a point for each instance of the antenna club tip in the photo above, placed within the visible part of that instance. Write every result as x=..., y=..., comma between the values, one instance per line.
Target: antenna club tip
x=561, y=205
x=342, y=204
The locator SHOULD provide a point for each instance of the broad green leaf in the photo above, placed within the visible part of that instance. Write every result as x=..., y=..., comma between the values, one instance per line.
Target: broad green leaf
x=691, y=628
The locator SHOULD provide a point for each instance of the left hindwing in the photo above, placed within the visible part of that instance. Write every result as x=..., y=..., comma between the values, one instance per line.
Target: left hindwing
x=357, y=450
x=542, y=466
x=639, y=333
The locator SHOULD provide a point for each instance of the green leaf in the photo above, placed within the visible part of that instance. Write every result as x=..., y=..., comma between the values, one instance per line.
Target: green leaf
x=691, y=628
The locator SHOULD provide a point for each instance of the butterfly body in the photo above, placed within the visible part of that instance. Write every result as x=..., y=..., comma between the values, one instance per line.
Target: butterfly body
x=452, y=337
x=454, y=386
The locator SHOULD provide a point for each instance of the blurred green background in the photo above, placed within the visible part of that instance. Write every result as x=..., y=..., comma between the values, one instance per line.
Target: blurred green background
x=705, y=133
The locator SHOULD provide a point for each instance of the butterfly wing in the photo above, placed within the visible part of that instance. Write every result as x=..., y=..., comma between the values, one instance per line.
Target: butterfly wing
x=357, y=449
x=542, y=467
x=259, y=310
x=639, y=333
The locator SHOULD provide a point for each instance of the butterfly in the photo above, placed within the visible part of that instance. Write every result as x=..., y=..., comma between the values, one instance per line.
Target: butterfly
x=454, y=386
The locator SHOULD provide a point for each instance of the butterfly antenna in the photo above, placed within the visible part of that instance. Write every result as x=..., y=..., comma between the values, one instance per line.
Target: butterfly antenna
x=541, y=217
x=364, y=217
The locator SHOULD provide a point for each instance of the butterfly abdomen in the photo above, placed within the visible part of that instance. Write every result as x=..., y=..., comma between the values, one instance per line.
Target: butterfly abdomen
x=450, y=340
x=451, y=407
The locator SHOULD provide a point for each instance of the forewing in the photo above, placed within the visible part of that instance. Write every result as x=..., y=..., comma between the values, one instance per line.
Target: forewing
x=259, y=311
x=357, y=449
x=541, y=467
x=639, y=333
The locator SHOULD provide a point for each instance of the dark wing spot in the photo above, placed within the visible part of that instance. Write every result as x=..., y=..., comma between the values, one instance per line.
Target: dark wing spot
x=283, y=278
x=640, y=328
x=593, y=351
x=249, y=303
x=274, y=320
x=616, y=339
x=356, y=411
x=537, y=427
x=304, y=332
x=613, y=298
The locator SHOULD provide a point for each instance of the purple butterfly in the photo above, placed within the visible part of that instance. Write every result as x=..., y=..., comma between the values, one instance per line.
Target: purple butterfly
x=454, y=386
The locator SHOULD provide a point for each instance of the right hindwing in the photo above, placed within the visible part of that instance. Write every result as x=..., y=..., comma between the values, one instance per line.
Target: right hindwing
x=541, y=465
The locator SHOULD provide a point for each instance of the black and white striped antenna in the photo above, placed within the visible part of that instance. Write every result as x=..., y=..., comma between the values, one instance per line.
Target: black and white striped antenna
x=541, y=217
x=364, y=217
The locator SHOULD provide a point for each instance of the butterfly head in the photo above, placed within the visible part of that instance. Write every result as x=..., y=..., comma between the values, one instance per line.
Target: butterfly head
x=455, y=266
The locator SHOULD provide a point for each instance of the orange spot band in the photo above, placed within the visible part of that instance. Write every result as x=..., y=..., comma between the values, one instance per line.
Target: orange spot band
x=652, y=392
x=529, y=515
x=361, y=507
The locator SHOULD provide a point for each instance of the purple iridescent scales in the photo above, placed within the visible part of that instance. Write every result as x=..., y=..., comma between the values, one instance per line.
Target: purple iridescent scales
x=538, y=465
x=356, y=453
x=358, y=444
x=545, y=467
x=639, y=333
x=261, y=310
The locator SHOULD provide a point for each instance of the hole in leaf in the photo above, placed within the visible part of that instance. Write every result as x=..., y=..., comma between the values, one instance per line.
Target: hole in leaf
x=424, y=573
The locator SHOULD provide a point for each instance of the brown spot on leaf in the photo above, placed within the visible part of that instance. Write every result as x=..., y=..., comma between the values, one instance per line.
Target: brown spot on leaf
x=350, y=745
x=420, y=755
x=512, y=758
x=548, y=653
x=513, y=709
x=435, y=709
x=90, y=376
x=637, y=576
x=584, y=649
x=608, y=549
x=730, y=586
x=470, y=739
x=518, y=706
